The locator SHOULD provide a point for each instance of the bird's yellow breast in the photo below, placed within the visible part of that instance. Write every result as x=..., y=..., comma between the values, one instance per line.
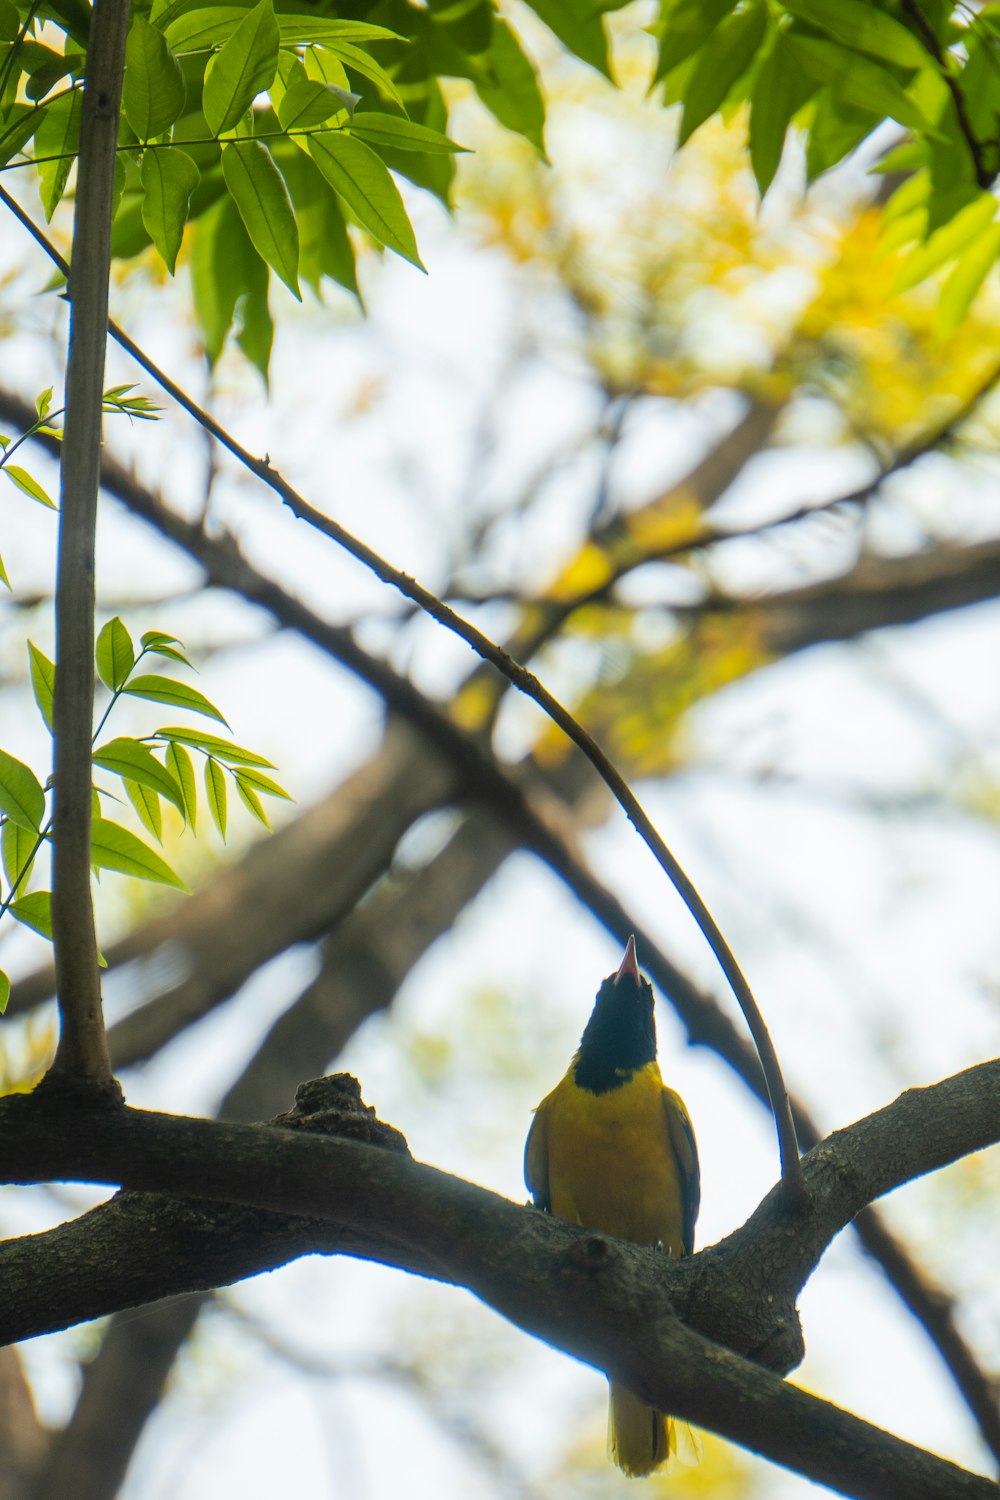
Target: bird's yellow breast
x=609, y=1162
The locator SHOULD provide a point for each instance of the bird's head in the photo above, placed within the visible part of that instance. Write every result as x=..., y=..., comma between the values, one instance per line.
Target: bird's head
x=620, y=1036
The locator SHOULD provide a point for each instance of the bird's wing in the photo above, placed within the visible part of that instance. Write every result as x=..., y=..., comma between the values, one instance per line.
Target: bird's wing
x=682, y=1143
x=536, y=1160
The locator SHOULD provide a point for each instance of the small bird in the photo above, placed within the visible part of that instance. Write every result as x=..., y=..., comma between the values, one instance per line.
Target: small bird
x=612, y=1148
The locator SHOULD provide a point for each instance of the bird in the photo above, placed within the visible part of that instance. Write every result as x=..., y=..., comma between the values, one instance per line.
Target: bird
x=612, y=1148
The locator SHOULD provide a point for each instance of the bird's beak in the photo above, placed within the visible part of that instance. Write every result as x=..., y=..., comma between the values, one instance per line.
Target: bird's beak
x=630, y=964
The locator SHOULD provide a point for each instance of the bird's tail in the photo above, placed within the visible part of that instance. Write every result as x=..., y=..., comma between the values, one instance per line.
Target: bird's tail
x=639, y=1436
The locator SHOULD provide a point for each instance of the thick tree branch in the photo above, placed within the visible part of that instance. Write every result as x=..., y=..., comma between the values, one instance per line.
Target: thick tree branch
x=440, y=1217
x=82, y=1051
x=614, y=1305
x=23, y=1439
x=89, y=1458
x=877, y=593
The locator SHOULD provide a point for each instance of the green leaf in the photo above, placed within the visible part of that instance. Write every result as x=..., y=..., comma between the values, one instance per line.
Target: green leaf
x=178, y=694
x=254, y=326
x=401, y=134
x=215, y=787
x=209, y=26
x=322, y=67
x=10, y=21
x=21, y=122
x=35, y=911
x=117, y=399
x=180, y=766
x=115, y=848
x=508, y=86
x=147, y=805
x=18, y=847
x=115, y=654
x=151, y=638
x=325, y=248
x=4, y=579
x=967, y=276
x=262, y=783
x=863, y=28
x=250, y=799
x=835, y=130
x=723, y=59
x=318, y=30
x=199, y=30
x=306, y=101
x=215, y=292
x=21, y=795
x=131, y=760
x=44, y=68
x=578, y=23
x=212, y=744
x=946, y=243
x=360, y=62
x=168, y=177
x=43, y=681
x=856, y=81
x=243, y=68
x=73, y=16
x=57, y=136
x=225, y=267
x=43, y=403
x=780, y=89
x=153, y=91
x=172, y=654
x=683, y=26
x=4, y=991
x=261, y=196
x=24, y=482
x=364, y=183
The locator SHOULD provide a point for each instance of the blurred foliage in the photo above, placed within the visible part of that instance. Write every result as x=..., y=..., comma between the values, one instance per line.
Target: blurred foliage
x=26, y=1051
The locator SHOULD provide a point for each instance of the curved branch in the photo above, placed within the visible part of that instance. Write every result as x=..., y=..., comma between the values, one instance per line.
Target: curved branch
x=522, y=679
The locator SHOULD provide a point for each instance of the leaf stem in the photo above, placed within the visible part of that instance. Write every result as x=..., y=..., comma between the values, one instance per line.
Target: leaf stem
x=9, y=452
x=206, y=140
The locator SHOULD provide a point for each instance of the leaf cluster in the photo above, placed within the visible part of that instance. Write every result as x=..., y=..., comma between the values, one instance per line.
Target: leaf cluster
x=154, y=769
x=116, y=399
x=267, y=130
x=837, y=69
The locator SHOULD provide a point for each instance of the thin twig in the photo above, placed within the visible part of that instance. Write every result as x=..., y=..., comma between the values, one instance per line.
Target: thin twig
x=984, y=176
x=82, y=1053
x=528, y=684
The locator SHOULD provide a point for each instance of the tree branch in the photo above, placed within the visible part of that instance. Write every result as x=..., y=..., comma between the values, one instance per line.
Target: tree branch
x=88, y=1459
x=985, y=173
x=82, y=1053
x=614, y=1305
